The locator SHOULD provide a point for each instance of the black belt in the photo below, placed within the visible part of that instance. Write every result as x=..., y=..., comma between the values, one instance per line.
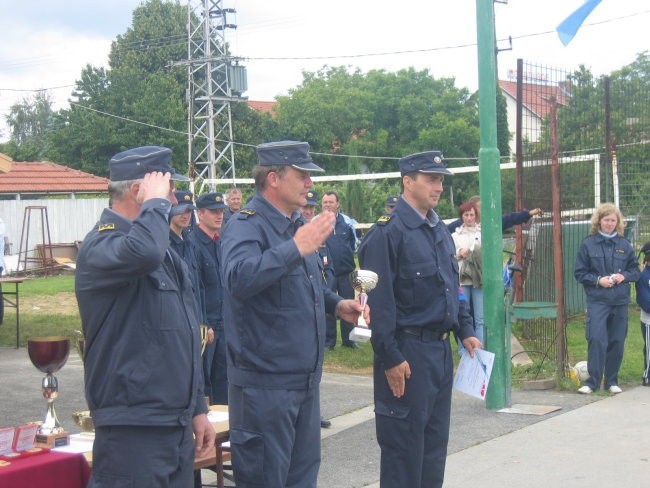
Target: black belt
x=426, y=333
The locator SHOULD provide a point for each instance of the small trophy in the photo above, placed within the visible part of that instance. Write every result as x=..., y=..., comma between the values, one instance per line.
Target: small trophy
x=49, y=354
x=362, y=281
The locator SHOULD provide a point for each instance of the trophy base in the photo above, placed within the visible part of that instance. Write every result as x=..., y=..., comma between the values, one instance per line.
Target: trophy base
x=360, y=334
x=53, y=440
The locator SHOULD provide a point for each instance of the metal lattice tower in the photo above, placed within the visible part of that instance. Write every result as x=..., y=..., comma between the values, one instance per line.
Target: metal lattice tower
x=215, y=79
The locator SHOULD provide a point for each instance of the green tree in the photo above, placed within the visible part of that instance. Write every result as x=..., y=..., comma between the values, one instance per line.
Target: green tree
x=28, y=122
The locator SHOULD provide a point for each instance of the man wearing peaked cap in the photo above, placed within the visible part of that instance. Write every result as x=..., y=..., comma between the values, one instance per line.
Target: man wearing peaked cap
x=133, y=164
x=207, y=239
x=293, y=153
x=424, y=162
x=275, y=303
x=142, y=365
x=415, y=305
x=391, y=201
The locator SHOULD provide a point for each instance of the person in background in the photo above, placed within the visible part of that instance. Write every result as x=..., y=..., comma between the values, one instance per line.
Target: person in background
x=142, y=360
x=206, y=239
x=308, y=212
x=234, y=202
x=508, y=220
x=341, y=243
x=605, y=266
x=391, y=201
x=179, y=240
x=643, y=300
x=415, y=305
x=274, y=314
x=467, y=240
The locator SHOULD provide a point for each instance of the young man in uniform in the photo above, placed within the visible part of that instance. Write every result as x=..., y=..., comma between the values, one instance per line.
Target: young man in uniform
x=415, y=306
x=206, y=238
x=142, y=360
x=274, y=314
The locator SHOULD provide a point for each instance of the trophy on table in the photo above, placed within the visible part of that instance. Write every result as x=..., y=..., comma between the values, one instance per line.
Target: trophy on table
x=49, y=354
x=362, y=281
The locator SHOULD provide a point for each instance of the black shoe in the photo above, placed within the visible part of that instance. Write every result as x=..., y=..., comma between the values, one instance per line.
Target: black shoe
x=330, y=346
x=351, y=345
x=324, y=423
x=646, y=381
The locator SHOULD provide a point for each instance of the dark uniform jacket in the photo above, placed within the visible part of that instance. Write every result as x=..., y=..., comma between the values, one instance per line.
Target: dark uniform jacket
x=210, y=268
x=275, y=301
x=601, y=256
x=139, y=317
x=643, y=290
x=418, y=280
x=341, y=245
x=186, y=249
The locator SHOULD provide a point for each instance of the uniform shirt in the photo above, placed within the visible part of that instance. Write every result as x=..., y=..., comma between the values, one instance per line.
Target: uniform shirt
x=418, y=279
x=643, y=294
x=275, y=301
x=602, y=256
x=142, y=360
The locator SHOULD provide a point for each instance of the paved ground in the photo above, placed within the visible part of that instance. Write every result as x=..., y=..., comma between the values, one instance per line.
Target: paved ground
x=592, y=441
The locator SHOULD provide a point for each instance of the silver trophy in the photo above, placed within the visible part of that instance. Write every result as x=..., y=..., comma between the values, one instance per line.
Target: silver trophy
x=362, y=281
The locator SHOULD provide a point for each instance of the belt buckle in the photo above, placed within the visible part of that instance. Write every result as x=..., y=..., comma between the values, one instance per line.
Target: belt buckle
x=443, y=336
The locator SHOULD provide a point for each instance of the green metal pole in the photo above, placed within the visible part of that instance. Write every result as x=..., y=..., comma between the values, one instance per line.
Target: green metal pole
x=498, y=394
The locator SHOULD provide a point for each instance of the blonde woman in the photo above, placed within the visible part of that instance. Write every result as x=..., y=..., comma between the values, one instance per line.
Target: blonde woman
x=605, y=265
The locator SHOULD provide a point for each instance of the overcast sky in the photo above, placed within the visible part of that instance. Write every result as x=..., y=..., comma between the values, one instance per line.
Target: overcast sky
x=46, y=44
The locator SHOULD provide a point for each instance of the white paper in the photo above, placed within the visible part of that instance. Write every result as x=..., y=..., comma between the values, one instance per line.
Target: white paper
x=473, y=373
x=215, y=416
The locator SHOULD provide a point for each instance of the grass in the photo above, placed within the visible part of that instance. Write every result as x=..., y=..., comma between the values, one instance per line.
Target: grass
x=42, y=313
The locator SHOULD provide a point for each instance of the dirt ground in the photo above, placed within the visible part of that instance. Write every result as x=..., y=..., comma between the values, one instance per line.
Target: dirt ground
x=64, y=303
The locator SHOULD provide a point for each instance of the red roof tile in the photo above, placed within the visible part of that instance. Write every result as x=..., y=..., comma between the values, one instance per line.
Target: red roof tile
x=47, y=177
x=536, y=97
x=264, y=107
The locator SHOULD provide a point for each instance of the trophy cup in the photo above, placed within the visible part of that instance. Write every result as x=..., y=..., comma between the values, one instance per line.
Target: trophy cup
x=362, y=281
x=82, y=417
x=49, y=354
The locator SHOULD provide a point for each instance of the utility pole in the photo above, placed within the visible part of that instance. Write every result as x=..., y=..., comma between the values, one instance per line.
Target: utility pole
x=215, y=79
x=498, y=394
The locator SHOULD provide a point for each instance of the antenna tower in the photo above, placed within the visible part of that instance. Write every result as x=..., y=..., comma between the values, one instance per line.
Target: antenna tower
x=215, y=79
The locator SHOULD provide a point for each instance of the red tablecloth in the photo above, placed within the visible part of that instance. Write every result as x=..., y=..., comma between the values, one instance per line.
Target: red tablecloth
x=49, y=470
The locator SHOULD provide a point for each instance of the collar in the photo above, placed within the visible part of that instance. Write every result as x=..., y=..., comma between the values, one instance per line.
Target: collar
x=412, y=218
x=279, y=220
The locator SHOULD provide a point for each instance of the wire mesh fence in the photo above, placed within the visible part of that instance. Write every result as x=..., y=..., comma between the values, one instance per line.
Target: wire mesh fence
x=595, y=132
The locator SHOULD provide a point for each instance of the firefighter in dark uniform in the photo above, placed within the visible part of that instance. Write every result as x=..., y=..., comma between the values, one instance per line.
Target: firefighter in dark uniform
x=274, y=315
x=142, y=361
x=415, y=306
x=391, y=201
x=180, y=221
x=206, y=237
x=308, y=212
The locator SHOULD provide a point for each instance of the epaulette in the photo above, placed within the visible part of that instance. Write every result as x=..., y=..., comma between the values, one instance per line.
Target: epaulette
x=384, y=219
x=103, y=227
x=244, y=213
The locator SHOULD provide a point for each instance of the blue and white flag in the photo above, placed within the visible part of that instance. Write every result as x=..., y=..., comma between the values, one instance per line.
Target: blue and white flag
x=569, y=27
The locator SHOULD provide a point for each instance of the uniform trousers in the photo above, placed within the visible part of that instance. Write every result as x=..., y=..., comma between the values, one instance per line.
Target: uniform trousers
x=215, y=373
x=143, y=457
x=645, y=331
x=275, y=436
x=413, y=431
x=605, y=333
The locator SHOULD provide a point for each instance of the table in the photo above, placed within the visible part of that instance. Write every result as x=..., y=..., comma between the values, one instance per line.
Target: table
x=49, y=470
x=15, y=303
x=214, y=458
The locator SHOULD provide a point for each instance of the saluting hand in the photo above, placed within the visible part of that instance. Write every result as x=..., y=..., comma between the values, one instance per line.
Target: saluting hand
x=310, y=236
x=154, y=185
x=397, y=376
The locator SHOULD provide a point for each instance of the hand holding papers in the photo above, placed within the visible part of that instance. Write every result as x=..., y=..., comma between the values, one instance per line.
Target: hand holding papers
x=473, y=373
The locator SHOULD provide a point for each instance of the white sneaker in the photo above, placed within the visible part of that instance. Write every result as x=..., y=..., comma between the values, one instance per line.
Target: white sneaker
x=585, y=390
x=615, y=389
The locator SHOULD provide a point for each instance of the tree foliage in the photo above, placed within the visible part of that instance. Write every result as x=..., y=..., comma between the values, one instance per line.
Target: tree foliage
x=28, y=122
